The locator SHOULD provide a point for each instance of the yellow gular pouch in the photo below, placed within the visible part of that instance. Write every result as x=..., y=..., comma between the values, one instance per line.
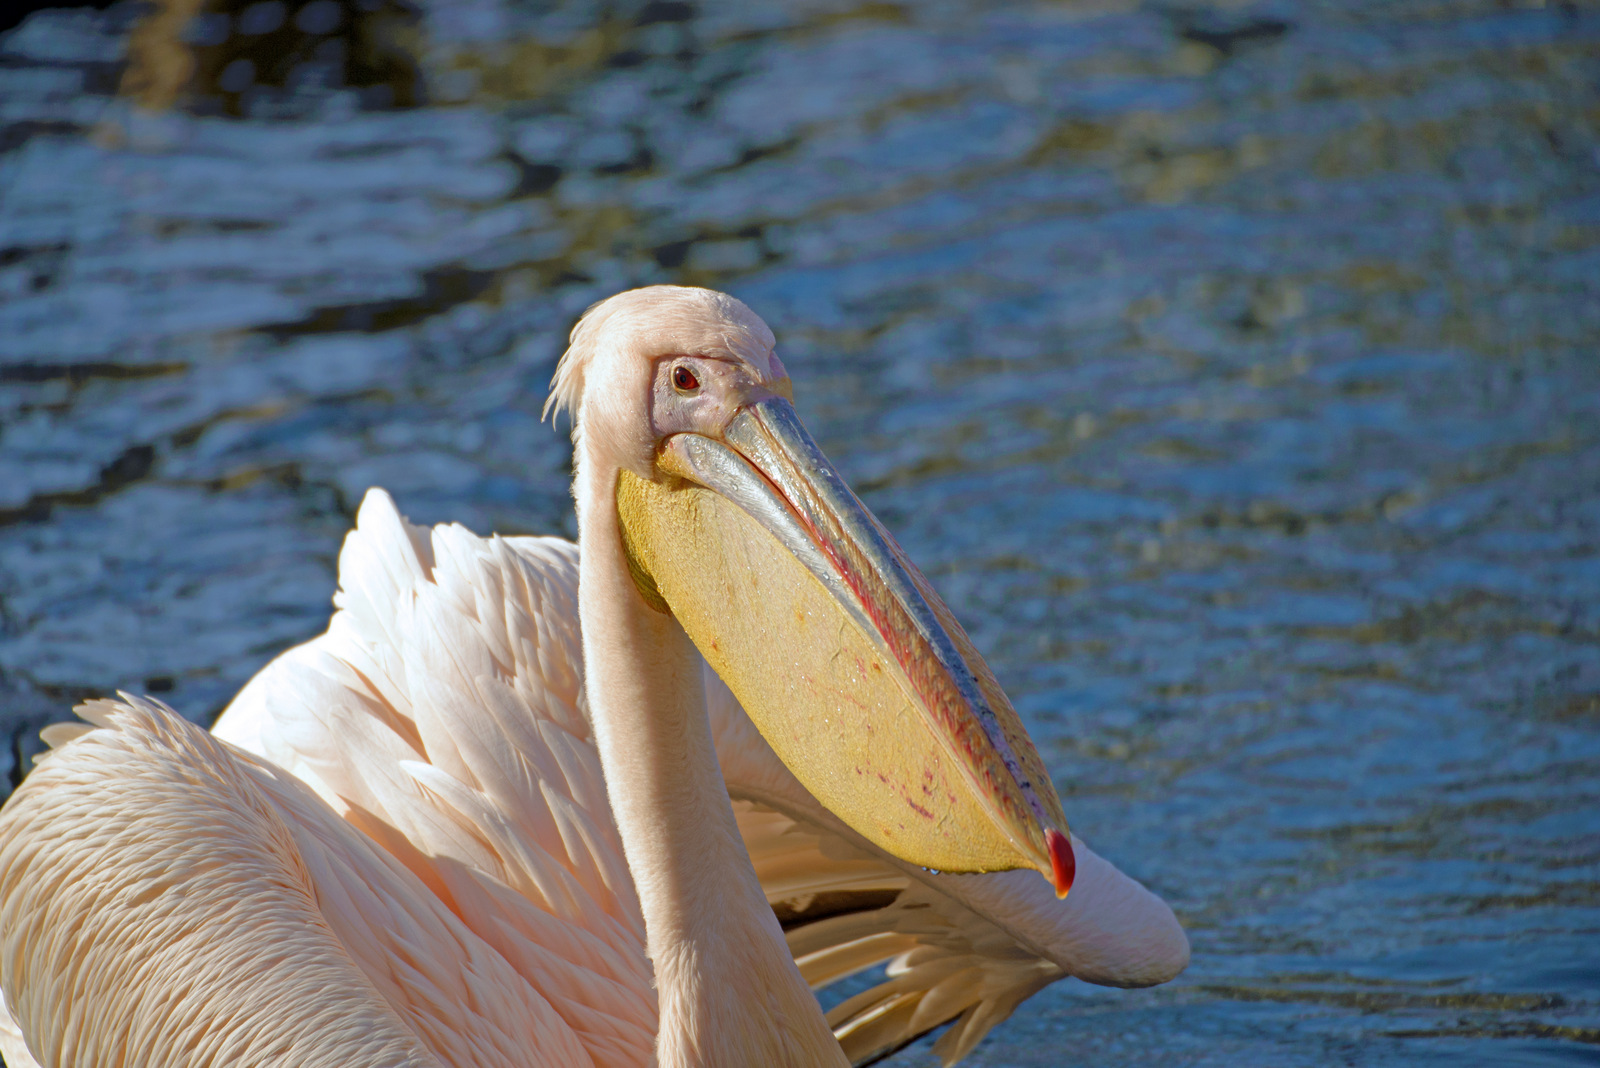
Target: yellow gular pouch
x=842, y=715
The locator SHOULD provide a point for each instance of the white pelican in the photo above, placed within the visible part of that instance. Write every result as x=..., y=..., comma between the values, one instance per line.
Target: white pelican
x=168, y=899
x=973, y=946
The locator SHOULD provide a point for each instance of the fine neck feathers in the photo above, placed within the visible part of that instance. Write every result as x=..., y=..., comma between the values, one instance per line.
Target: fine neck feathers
x=729, y=990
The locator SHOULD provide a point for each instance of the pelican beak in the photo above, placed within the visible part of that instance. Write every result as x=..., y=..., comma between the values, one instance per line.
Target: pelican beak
x=846, y=659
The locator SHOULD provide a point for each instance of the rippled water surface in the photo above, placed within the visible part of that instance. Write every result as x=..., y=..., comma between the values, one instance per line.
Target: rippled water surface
x=1231, y=367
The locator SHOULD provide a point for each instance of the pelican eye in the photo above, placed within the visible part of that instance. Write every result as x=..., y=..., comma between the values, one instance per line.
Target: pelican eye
x=683, y=379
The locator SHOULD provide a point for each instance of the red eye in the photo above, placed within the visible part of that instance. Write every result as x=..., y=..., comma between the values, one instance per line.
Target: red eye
x=684, y=380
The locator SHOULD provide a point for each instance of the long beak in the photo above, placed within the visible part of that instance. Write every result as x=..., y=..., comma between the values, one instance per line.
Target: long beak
x=848, y=662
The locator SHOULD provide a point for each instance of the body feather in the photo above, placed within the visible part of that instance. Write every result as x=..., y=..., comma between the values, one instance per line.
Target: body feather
x=429, y=804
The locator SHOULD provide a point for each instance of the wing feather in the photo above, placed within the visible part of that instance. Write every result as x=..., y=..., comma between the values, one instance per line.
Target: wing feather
x=442, y=715
x=457, y=675
x=165, y=899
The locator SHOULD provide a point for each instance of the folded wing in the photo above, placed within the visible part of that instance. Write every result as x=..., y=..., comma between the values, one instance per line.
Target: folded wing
x=443, y=714
x=166, y=899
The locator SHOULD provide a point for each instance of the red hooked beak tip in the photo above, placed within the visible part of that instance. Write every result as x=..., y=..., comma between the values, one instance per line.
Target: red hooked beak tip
x=1061, y=859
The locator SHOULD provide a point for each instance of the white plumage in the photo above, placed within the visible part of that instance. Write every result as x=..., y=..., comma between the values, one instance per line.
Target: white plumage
x=978, y=943
x=407, y=855
x=445, y=703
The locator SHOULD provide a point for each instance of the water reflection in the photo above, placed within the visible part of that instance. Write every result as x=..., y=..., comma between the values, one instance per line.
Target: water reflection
x=1230, y=367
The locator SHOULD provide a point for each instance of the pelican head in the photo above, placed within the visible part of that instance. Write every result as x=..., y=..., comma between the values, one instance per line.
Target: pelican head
x=735, y=523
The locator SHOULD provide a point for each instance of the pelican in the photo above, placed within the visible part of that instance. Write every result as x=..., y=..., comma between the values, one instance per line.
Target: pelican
x=459, y=829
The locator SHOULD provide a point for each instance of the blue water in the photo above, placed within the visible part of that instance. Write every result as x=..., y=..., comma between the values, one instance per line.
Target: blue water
x=1232, y=368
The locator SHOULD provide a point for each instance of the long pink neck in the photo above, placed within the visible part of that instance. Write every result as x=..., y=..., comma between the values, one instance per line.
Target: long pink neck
x=729, y=989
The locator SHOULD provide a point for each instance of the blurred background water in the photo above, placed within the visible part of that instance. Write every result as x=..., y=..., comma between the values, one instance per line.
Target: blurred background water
x=1230, y=366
